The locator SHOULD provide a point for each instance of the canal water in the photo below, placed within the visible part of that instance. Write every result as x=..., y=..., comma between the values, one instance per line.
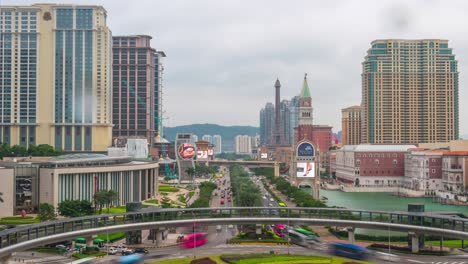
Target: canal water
x=384, y=202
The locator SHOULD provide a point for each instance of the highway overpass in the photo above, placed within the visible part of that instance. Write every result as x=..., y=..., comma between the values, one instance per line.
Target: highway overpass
x=30, y=236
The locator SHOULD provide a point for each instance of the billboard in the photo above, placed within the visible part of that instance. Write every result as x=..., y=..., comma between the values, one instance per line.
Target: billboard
x=202, y=154
x=186, y=151
x=210, y=152
x=305, y=170
x=264, y=155
x=305, y=149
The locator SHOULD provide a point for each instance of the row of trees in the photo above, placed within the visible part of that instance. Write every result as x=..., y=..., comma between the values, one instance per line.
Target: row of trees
x=201, y=170
x=245, y=191
x=301, y=198
x=77, y=208
x=42, y=150
x=203, y=200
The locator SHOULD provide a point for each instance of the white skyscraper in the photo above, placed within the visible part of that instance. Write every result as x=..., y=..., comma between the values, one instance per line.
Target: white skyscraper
x=243, y=144
x=217, y=141
x=207, y=138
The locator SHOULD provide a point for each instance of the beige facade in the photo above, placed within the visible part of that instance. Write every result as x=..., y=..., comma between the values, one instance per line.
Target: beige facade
x=72, y=180
x=7, y=178
x=67, y=73
x=351, y=125
x=409, y=92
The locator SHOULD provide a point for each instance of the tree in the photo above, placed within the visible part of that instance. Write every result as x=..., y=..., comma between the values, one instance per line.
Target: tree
x=46, y=212
x=100, y=200
x=75, y=208
x=111, y=197
x=69, y=208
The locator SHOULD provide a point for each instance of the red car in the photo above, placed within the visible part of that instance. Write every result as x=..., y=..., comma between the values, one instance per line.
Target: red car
x=221, y=202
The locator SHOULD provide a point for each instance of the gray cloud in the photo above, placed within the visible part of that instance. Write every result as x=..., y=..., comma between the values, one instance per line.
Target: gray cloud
x=224, y=56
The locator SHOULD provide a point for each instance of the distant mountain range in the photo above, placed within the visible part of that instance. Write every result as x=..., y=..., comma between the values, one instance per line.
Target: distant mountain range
x=227, y=133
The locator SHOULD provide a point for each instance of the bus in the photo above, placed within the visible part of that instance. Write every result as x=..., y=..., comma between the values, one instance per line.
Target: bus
x=83, y=261
x=300, y=239
x=349, y=251
x=194, y=240
x=307, y=233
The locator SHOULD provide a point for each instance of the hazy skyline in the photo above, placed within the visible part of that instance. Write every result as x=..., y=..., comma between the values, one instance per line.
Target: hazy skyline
x=223, y=57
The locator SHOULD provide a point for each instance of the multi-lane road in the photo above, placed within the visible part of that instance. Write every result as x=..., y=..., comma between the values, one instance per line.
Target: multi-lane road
x=218, y=235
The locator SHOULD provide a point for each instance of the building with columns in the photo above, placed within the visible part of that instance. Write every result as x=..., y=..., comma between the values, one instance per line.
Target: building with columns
x=80, y=176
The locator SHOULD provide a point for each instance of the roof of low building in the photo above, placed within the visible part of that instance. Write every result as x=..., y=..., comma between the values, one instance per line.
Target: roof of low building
x=78, y=156
x=372, y=148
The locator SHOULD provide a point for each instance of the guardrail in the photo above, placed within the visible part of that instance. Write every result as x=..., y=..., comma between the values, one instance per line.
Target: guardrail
x=455, y=226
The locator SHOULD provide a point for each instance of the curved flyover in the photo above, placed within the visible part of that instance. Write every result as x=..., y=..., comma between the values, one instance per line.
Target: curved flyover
x=25, y=237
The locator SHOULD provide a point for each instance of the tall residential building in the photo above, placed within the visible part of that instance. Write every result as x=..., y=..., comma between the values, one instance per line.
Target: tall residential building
x=267, y=121
x=351, y=125
x=293, y=119
x=158, y=92
x=56, y=68
x=207, y=138
x=218, y=144
x=243, y=144
x=409, y=92
x=134, y=86
x=285, y=112
x=194, y=138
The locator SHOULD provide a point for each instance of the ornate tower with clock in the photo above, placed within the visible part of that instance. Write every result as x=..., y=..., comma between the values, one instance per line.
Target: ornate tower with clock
x=305, y=125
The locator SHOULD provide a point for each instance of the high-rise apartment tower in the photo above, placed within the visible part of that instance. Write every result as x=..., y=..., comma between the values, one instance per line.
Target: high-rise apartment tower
x=409, y=92
x=56, y=74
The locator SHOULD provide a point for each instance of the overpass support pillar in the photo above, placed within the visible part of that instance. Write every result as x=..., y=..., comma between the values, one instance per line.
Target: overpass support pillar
x=157, y=235
x=414, y=242
x=277, y=169
x=351, y=238
x=6, y=259
x=258, y=229
x=89, y=241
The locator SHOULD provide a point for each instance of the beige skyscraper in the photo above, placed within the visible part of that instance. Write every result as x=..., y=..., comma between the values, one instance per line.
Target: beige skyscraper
x=56, y=68
x=351, y=125
x=409, y=92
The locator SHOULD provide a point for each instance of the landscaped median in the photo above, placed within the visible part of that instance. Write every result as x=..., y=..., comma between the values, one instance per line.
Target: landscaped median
x=18, y=220
x=167, y=188
x=261, y=258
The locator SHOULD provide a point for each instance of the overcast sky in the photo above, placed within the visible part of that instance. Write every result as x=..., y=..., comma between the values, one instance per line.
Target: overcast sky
x=223, y=57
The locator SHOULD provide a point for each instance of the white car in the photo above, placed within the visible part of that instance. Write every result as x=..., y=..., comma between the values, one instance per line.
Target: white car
x=387, y=256
x=112, y=251
x=121, y=248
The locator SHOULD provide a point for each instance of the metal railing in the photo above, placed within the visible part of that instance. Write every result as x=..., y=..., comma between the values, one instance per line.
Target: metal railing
x=24, y=233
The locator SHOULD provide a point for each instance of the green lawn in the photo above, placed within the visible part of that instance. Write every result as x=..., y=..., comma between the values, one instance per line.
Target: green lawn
x=113, y=237
x=115, y=210
x=259, y=258
x=166, y=188
x=447, y=243
x=153, y=201
x=18, y=220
